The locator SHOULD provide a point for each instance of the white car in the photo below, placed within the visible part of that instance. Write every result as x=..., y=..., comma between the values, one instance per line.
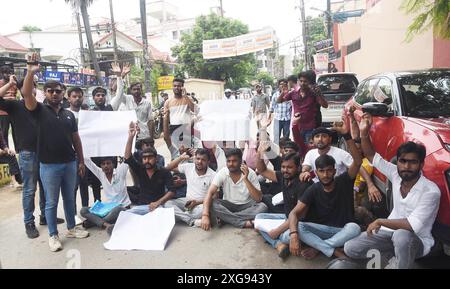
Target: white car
x=337, y=88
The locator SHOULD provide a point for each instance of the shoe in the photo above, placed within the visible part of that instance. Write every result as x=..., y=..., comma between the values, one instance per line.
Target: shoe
x=43, y=221
x=31, y=231
x=55, y=243
x=197, y=223
x=77, y=233
x=87, y=224
x=78, y=221
x=283, y=250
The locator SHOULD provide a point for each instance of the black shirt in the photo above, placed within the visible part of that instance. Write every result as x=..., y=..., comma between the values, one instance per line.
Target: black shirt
x=154, y=188
x=103, y=108
x=334, y=209
x=291, y=193
x=55, y=134
x=24, y=125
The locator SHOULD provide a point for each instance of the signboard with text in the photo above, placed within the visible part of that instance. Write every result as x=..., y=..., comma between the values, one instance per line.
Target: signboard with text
x=165, y=82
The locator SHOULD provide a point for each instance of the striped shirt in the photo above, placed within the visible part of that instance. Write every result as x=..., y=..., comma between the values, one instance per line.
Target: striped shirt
x=282, y=111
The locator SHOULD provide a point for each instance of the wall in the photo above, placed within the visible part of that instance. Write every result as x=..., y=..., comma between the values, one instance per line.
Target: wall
x=441, y=57
x=205, y=89
x=383, y=46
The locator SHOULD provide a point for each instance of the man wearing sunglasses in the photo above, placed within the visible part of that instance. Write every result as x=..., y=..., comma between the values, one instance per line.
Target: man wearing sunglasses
x=406, y=234
x=58, y=144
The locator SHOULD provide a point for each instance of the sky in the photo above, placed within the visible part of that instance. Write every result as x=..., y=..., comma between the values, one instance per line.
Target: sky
x=282, y=15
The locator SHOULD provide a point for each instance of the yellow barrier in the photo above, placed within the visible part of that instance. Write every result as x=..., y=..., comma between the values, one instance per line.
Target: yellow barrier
x=5, y=177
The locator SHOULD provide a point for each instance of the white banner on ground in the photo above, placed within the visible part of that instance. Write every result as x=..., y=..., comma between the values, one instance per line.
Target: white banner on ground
x=104, y=133
x=239, y=45
x=224, y=120
x=149, y=232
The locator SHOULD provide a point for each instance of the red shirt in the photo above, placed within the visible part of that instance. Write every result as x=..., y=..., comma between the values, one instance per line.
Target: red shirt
x=305, y=103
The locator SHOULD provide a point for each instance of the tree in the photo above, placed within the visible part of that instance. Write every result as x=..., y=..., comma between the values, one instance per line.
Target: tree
x=431, y=13
x=316, y=32
x=266, y=78
x=235, y=71
x=81, y=5
x=30, y=29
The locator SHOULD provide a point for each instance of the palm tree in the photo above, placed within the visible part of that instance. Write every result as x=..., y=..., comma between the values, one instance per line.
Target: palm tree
x=81, y=5
x=428, y=13
x=30, y=29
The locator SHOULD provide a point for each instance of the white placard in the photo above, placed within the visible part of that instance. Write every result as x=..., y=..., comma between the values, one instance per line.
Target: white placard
x=104, y=133
x=135, y=232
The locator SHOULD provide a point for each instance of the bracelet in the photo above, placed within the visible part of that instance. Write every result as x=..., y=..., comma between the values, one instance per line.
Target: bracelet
x=204, y=215
x=347, y=136
x=292, y=233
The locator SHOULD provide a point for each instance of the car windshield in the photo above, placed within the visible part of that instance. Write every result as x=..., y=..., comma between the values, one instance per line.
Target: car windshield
x=338, y=87
x=426, y=95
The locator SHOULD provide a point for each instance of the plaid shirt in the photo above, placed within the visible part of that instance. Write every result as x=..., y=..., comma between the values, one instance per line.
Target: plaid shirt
x=283, y=111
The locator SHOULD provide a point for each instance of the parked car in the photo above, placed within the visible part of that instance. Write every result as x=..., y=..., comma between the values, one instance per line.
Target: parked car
x=411, y=106
x=337, y=89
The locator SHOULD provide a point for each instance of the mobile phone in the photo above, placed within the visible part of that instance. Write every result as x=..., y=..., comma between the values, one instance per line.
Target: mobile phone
x=297, y=114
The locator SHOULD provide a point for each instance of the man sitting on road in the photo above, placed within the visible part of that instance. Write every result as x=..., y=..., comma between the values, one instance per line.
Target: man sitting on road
x=323, y=138
x=329, y=205
x=241, y=195
x=114, y=183
x=292, y=189
x=406, y=234
x=199, y=178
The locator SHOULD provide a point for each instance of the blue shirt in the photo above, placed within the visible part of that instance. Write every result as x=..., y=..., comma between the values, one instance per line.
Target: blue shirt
x=283, y=111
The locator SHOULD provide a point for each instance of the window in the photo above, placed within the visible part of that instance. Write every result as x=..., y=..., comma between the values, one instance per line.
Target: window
x=175, y=35
x=364, y=94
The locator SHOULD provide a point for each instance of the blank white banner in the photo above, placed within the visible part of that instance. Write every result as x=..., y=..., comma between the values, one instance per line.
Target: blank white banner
x=224, y=120
x=104, y=133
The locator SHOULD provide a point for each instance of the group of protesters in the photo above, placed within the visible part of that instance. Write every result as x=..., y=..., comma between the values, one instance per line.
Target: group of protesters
x=329, y=202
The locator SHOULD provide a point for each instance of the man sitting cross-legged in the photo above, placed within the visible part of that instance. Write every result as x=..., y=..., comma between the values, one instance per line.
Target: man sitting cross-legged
x=199, y=178
x=241, y=195
x=292, y=189
x=329, y=205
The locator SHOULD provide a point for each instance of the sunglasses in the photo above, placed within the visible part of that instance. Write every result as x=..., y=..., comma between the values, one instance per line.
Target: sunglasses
x=51, y=91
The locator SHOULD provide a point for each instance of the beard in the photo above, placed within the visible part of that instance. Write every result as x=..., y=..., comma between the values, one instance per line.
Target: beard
x=408, y=175
x=321, y=146
x=326, y=184
x=148, y=166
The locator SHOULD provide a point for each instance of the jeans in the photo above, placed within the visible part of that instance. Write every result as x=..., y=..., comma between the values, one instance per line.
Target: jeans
x=111, y=218
x=324, y=238
x=82, y=183
x=401, y=247
x=181, y=214
x=281, y=127
x=56, y=178
x=29, y=168
x=272, y=242
x=306, y=135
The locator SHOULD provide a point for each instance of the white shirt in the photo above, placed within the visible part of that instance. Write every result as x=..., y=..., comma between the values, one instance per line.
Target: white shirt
x=197, y=186
x=116, y=191
x=235, y=193
x=343, y=160
x=75, y=113
x=232, y=97
x=143, y=109
x=420, y=207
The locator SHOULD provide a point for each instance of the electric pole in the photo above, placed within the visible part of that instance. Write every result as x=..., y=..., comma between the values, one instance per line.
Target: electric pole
x=304, y=32
x=145, y=43
x=329, y=19
x=113, y=26
x=221, y=8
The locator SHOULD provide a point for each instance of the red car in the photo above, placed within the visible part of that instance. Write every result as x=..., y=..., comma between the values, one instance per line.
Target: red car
x=411, y=106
